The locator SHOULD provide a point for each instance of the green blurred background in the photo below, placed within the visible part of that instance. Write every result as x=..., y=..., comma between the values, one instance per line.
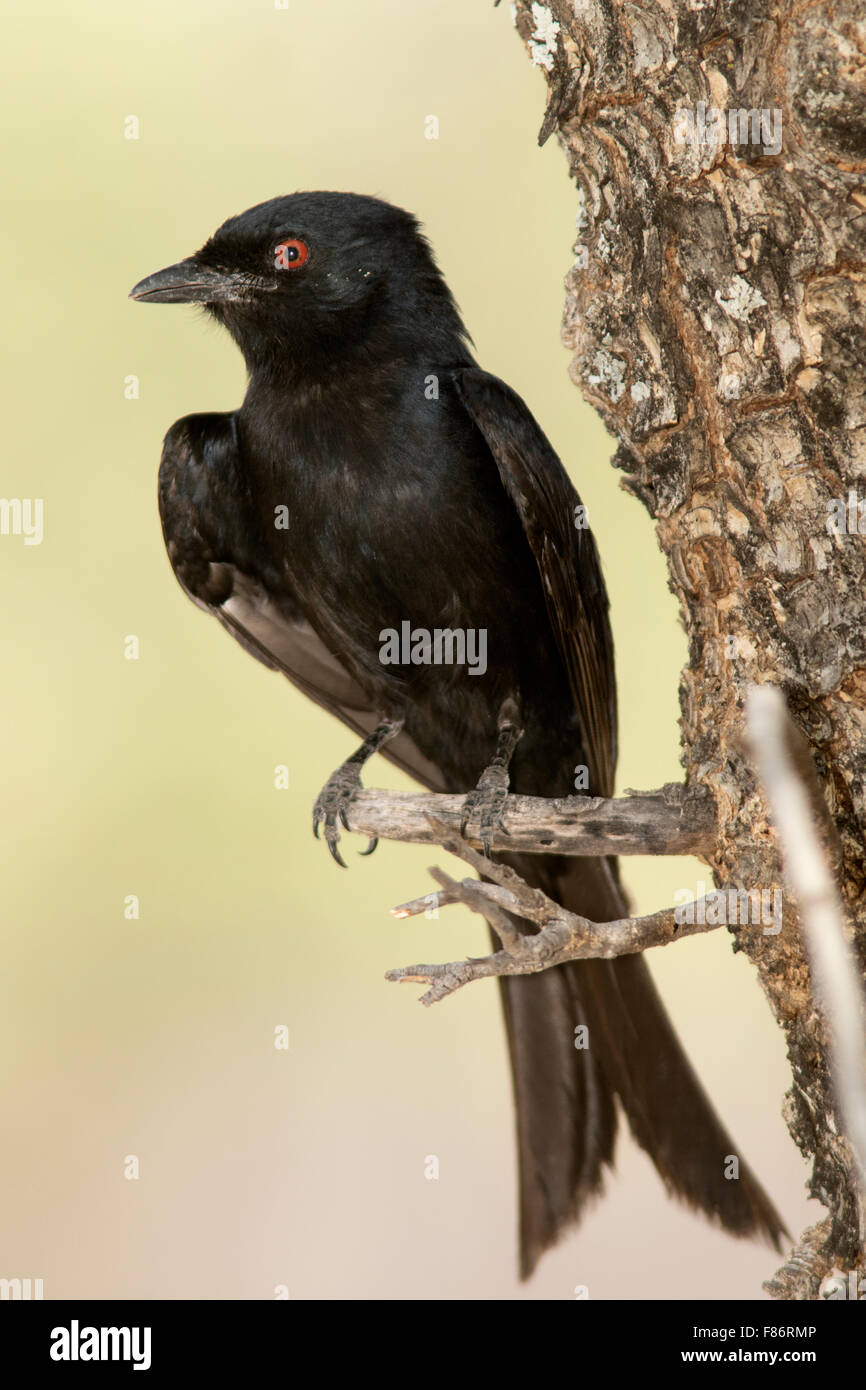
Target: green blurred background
x=261, y=1167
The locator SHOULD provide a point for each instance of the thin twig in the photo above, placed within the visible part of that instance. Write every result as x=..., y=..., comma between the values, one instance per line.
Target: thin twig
x=561, y=935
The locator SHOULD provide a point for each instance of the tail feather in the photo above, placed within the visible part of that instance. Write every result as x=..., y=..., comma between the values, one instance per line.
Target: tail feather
x=566, y=1117
x=669, y=1113
x=565, y=1094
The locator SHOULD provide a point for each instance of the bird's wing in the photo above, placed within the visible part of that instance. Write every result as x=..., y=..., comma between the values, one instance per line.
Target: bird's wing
x=210, y=546
x=565, y=553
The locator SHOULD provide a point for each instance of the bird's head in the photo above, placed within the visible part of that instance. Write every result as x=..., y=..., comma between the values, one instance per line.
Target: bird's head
x=301, y=276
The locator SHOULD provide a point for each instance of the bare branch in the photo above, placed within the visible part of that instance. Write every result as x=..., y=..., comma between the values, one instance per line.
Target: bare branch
x=431, y=902
x=561, y=935
x=671, y=820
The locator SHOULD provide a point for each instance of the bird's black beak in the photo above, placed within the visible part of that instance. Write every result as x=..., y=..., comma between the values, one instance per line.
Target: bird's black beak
x=190, y=283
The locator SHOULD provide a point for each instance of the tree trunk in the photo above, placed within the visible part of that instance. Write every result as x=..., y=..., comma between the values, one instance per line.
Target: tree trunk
x=717, y=313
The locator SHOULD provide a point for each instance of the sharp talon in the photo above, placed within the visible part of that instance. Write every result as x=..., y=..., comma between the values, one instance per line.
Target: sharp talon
x=316, y=826
x=336, y=855
x=346, y=824
x=371, y=846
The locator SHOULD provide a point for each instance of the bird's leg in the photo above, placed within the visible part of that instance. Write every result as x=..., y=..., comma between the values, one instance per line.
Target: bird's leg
x=487, y=801
x=338, y=793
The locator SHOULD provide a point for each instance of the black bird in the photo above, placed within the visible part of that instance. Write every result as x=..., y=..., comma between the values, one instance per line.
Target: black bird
x=373, y=477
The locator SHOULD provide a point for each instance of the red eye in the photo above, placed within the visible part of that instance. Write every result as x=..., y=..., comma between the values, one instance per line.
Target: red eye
x=291, y=255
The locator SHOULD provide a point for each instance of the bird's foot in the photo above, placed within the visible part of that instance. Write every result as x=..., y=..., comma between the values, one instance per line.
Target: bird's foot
x=338, y=793
x=332, y=806
x=486, y=804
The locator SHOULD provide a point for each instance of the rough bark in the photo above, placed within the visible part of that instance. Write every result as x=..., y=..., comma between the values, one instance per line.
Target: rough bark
x=667, y=821
x=717, y=313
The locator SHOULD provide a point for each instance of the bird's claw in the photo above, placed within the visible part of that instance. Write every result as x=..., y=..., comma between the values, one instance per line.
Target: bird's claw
x=332, y=806
x=486, y=804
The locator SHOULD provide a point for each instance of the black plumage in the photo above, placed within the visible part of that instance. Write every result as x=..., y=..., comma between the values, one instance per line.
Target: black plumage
x=375, y=475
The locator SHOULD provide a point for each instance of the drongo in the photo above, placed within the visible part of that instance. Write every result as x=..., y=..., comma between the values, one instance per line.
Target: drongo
x=376, y=509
